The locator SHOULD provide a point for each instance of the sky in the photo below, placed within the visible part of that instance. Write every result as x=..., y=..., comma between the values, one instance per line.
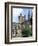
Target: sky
x=16, y=12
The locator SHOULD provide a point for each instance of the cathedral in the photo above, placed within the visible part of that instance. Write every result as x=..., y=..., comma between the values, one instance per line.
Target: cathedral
x=17, y=27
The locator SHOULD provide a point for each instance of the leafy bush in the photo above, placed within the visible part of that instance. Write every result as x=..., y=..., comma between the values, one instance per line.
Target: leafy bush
x=26, y=32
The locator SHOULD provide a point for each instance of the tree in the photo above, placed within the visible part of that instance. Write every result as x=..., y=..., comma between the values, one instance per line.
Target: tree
x=26, y=32
x=31, y=20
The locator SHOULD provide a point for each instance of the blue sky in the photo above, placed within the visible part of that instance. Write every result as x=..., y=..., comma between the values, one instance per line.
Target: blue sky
x=17, y=11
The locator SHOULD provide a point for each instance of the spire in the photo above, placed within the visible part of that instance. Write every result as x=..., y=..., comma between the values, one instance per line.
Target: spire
x=28, y=15
x=20, y=14
x=24, y=17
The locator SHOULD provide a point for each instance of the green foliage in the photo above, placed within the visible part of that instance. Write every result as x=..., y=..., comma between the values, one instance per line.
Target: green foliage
x=31, y=20
x=26, y=31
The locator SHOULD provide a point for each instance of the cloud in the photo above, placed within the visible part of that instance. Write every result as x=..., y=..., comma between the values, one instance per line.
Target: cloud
x=17, y=11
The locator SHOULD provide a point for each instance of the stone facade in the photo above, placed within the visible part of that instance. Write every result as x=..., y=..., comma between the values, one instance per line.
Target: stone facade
x=20, y=25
